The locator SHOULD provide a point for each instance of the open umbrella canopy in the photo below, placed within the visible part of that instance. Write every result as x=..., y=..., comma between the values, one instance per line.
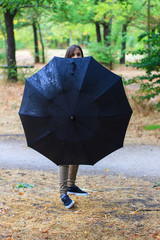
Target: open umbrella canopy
x=74, y=111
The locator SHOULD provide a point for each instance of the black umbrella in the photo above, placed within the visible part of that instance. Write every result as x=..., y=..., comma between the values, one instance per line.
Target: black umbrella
x=74, y=111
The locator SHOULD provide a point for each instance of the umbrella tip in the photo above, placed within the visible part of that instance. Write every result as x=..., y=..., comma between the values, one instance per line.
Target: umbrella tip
x=72, y=117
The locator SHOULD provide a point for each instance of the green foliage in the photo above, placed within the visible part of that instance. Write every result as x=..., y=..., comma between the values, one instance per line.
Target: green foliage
x=24, y=185
x=103, y=54
x=2, y=57
x=151, y=61
x=24, y=73
x=12, y=74
x=64, y=22
x=13, y=5
x=151, y=127
x=14, y=105
x=150, y=82
x=156, y=184
x=24, y=38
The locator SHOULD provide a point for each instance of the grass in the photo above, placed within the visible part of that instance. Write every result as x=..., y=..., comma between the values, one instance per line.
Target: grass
x=151, y=127
x=117, y=208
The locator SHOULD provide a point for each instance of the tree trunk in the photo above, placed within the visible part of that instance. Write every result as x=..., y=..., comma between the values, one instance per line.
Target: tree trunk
x=124, y=31
x=11, y=49
x=148, y=26
x=107, y=32
x=5, y=39
x=107, y=40
x=36, y=49
x=98, y=33
x=41, y=40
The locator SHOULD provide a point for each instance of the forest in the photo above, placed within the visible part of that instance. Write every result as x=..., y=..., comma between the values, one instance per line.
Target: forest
x=108, y=29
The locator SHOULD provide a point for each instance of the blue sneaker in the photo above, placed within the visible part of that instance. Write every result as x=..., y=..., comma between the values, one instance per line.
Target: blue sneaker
x=68, y=203
x=76, y=190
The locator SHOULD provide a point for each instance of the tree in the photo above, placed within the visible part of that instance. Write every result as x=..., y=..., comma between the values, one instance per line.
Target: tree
x=104, y=15
x=150, y=82
x=11, y=58
x=127, y=13
x=10, y=9
x=36, y=50
x=98, y=31
x=150, y=52
x=2, y=27
x=75, y=11
x=32, y=17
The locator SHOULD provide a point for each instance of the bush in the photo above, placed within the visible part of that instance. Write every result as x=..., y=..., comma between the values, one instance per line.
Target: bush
x=2, y=57
x=103, y=54
x=150, y=82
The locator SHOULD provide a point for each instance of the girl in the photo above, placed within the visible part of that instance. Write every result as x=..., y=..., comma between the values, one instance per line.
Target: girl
x=67, y=173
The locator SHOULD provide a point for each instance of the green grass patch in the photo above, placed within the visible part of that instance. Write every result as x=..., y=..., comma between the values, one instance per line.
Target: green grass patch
x=24, y=185
x=151, y=127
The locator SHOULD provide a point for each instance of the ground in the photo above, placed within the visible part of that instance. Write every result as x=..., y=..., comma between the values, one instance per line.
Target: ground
x=117, y=208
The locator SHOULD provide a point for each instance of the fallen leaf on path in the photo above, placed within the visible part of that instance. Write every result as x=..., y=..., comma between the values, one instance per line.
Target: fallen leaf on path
x=133, y=213
x=156, y=235
x=3, y=210
x=44, y=231
x=21, y=193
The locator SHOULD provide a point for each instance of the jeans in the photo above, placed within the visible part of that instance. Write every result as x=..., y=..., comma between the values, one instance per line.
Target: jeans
x=67, y=177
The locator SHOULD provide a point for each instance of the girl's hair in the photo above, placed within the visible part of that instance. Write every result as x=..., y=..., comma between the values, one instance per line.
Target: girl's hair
x=71, y=49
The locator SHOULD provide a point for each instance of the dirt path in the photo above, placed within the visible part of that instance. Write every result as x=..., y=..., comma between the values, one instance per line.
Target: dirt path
x=117, y=208
x=132, y=160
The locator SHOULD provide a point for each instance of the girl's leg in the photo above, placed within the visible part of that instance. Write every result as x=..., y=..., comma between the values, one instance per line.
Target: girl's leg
x=72, y=188
x=63, y=178
x=73, y=169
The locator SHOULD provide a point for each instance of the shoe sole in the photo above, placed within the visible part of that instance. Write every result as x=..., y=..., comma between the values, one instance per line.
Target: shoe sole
x=78, y=194
x=70, y=205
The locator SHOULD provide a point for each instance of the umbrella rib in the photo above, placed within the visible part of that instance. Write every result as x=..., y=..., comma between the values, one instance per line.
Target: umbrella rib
x=85, y=72
x=116, y=115
x=63, y=91
x=60, y=108
x=37, y=90
x=59, y=78
x=59, y=125
x=84, y=148
x=104, y=138
x=35, y=116
x=100, y=135
x=64, y=143
x=110, y=89
x=82, y=84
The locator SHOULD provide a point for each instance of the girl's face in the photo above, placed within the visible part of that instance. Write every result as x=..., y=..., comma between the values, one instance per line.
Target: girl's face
x=76, y=53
